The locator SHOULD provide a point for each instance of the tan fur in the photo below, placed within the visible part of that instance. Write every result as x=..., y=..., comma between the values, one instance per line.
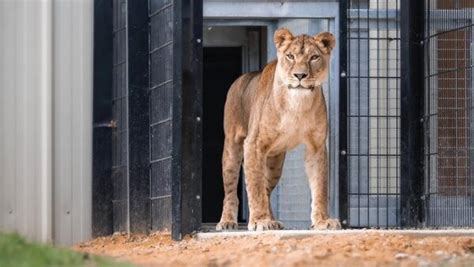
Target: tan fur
x=266, y=114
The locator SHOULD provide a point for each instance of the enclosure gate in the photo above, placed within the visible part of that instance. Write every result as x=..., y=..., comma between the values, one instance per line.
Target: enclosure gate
x=372, y=110
x=393, y=133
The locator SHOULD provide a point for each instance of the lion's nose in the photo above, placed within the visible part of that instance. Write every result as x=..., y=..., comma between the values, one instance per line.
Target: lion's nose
x=300, y=76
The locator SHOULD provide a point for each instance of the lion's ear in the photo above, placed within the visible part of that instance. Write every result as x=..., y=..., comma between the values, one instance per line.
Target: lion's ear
x=282, y=37
x=326, y=41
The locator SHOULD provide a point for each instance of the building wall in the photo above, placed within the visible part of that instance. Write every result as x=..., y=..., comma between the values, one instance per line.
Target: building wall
x=72, y=120
x=26, y=118
x=46, y=119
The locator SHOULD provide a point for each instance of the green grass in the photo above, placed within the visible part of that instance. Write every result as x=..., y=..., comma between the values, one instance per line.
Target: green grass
x=17, y=252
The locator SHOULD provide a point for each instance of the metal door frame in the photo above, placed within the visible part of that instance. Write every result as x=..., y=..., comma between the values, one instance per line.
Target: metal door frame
x=224, y=13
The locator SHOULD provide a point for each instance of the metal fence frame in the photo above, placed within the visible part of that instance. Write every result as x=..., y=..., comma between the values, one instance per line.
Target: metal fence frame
x=184, y=192
x=418, y=29
x=364, y=202
x=448, y=120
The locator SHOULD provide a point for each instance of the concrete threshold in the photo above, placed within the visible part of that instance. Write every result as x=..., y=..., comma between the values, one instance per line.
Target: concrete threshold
x=285, y=234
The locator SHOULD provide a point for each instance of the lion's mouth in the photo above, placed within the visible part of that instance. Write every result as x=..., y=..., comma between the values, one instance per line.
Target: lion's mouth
x=300, y=87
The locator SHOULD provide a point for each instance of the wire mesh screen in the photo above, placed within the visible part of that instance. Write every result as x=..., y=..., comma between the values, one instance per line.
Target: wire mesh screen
x=448, y=113
x=373, y=77
x=160, y=105
x=120, y=115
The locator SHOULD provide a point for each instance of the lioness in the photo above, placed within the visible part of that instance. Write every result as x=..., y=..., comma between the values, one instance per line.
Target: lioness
x=269, y=112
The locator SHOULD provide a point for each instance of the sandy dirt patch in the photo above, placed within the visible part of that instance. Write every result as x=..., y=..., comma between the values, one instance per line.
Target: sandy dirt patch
x=370, y=249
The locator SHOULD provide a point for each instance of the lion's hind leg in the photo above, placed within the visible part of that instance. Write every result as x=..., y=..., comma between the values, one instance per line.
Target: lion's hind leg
x=231, y=162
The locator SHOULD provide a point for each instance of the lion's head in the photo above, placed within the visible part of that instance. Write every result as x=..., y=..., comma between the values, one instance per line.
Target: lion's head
x=303, y=60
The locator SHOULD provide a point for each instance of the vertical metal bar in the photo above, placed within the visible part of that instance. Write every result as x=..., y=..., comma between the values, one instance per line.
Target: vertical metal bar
x=192, y=83
x=343, y=120
x=187, y=110
x=126, y=107
x=412, y=102
x=441, y=178
x=387, y=109
x=177, y=154
x=377, y=118
x=465, y=117
x=428, y=115
x=456, y=177
x=439, y=211
x=358, y=112
x=397, y=177
x=369, y=154
x=471, y=83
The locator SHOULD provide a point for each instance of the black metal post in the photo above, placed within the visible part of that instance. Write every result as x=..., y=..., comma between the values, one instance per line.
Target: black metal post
x=343, y=119
x=412, y=107
x=138, y=116
x=187, y=110
x=102, y=208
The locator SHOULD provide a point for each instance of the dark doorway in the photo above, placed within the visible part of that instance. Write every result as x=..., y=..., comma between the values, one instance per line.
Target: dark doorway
x=222, y=65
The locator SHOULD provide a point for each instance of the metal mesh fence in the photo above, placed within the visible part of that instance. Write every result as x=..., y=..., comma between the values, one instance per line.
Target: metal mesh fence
x=120, y=115
x=373, y=113
x=373, y=86
x=160, y=107
x=448, y=113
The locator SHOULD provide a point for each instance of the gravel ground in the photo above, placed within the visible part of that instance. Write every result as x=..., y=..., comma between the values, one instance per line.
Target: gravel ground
x=363, y=249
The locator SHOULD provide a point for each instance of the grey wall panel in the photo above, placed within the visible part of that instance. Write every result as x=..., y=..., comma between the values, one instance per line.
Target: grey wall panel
x=25, y=120
x=40, y=163
x=72, y=83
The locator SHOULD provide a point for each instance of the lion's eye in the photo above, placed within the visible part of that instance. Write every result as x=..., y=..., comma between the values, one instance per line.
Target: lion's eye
x=315, y=57
x=290, y=56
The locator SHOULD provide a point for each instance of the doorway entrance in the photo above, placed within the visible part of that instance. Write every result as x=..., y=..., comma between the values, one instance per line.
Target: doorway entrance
x=228, y=52
x=222, y=65
x=291, y=198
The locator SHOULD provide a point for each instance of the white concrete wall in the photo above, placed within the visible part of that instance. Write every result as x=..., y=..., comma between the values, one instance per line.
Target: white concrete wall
x=46, y=119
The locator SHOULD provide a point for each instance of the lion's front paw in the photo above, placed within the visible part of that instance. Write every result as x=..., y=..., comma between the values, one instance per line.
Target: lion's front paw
x=264, y=225
x=227, y=225
x=329, y=224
